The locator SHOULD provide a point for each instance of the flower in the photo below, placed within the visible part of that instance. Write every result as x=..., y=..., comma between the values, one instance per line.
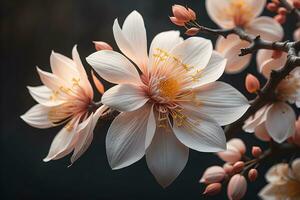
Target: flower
x=173, y=105
x=237, y=187
x=65, y=97
x=284, y=182
x=277, y=120
x=241, y=13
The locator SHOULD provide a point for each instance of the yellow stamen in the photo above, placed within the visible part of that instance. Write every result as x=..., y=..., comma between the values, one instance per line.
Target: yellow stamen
x=169, y=88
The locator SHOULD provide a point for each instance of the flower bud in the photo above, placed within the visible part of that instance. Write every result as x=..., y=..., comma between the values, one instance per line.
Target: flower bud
x=252, y=83
x=213, y=174
x=99, y=45
x=237, y=187
x=192, y=31
x=238, y=144
x=280, y=18
x=192, y=14
x=177, y=22
x=256, y=151
x=238, y=166
x=282, y=11
x=181, y=13
x=252, y=175
x=296, y=34
x=213, y=189
x=272, y=7
x=296, y=4
x=228, y=168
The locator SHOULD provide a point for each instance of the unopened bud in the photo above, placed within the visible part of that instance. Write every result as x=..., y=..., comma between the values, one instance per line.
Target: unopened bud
x=181, y=13
x=213, y=174
x=296, y=4
x=252, y=83
x=99, y=45
x=272, y=7
x=252, y=175
x=177, y=22
x=213, y=189
x=238, y=166
x=282, y=11
x=192, y=14
x=228, y=168
x=280, y=18
x=256, y=151
x=237, y=187
x=192, y=31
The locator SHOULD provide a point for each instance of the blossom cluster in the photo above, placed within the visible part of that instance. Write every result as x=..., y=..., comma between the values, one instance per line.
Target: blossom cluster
x=167, y=98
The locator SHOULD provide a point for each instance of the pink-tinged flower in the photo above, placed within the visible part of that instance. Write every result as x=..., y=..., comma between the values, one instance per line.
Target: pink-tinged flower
x=237, y=187
x=234, y=151
x=242, y=13
x=284, y=182
x=268, y=60
x=277, y=120
x=213, y=174
x=173, y=105
x=65, y=97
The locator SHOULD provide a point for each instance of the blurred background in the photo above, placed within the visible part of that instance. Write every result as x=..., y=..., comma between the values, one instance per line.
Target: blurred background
x=30, y=29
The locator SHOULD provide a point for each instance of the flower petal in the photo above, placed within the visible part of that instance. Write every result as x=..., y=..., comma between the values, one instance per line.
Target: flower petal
x=150, y=128
x=132, y=39
x=262, y=133
x=213, y=71
x=42, y=95
x=214, y=8
x=259, y=117
x=125, y=97
x=113, y=67
x=280, y=122
x=194, y=52
x=85, y=133
x=200, y=133
x=52, y=81
x=166, y=156
x=37, y=116
x=220, y=101
x=125, y=140
x=257, y=6
x=266, y=27
x=62, y=143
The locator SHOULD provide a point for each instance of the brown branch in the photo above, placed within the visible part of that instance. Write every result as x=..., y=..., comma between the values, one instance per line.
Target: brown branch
x=266, y=94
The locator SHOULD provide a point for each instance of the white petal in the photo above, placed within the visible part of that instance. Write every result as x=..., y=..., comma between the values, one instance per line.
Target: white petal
x=195, y=52
x=213, y=71
x=281, y=122
x=42, y=95
x=266, y=27
x=52, y=81
x=166, y=156
x=83, y=76
x=37, y=116
x=201, y=134
x=132, y=39
x=125, y=140
x=150, y=128
x=221, y=102
x=259, y=117
x=257, y=6
x=85, y=133
x=125, y=97
x=113, y=67
x=62, y=143
x=166, y=41
x=215, y=8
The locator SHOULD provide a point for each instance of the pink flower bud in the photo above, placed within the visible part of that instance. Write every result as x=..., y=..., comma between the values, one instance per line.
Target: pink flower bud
x=272, y=7
x=213, y=174
x=297, y=34
x=282, y=11
x=177, y=22
x=235, y=149
x=252, y=83
x=238, y=166
x=296, y=4
x=256, y=151
x=237, y=187
x=192, y=14
x=192, y=31
x=252, y=175
x=181, y=13
x=213, y=189
x=99, y=45
x=228, y=168
x=280, y=18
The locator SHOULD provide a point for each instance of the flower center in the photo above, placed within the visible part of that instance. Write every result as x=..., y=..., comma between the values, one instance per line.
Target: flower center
x=169, y=88
x=239, y=11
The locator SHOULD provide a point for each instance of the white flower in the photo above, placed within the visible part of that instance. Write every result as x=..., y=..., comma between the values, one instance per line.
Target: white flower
x=241, y=13
x=65, y=97
x=284, y=182
x=277, y=120
x=172, y=106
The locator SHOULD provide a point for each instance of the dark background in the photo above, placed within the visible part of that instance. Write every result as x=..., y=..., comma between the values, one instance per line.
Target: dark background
x=29, y=31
